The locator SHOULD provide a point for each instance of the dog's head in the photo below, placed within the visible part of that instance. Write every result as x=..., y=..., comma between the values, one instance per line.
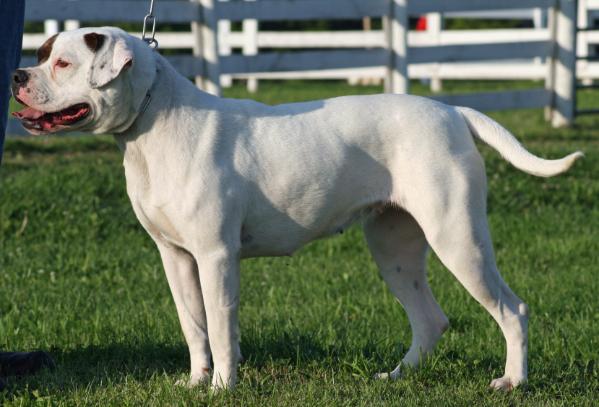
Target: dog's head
x=91, y=79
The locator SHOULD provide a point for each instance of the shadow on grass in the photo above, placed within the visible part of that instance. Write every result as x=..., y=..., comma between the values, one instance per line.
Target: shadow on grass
x=96, y=367
x=101, y=366
x=298, y=351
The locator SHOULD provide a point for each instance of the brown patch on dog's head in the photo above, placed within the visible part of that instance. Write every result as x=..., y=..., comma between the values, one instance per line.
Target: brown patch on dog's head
x=94, y=41
x=43, y=52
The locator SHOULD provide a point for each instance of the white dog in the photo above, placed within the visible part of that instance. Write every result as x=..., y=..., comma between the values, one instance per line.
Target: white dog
x=216, y=180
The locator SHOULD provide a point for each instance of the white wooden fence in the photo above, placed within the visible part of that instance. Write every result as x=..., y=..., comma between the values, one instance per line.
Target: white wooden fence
x=395, y=53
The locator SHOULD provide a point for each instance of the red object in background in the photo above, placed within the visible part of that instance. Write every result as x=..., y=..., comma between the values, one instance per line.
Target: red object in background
x=421, y=24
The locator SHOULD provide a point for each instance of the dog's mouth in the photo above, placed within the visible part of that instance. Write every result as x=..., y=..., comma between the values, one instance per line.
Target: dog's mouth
x=49, y=122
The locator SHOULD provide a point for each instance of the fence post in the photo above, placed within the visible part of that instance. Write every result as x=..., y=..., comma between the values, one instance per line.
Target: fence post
x=540, y=21
x=550, y=76
x=51, y=27
x=582, y=43
x=250, y=47
x=563, y=69
x=434, y=26
x=538, y=18
x=71, y=25
x=396, y=30
x=197, y=49
x=224, y=44
x=205, y=33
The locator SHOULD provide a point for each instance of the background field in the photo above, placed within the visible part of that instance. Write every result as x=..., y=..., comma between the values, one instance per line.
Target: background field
x=81, y=279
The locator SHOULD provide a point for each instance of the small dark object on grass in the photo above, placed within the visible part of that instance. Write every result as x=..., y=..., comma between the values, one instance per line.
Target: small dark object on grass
x=23, y=363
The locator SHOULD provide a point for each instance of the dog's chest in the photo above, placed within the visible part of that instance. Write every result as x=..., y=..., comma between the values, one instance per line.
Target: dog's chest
x=158, y=223
x=153, y=209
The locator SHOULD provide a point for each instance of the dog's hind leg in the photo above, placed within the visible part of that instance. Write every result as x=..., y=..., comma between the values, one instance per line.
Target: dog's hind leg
x=452, y=214
x=399, y=248
x=183, y=278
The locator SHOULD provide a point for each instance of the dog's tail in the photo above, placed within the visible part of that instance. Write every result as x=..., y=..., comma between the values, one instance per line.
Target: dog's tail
x=506, y=144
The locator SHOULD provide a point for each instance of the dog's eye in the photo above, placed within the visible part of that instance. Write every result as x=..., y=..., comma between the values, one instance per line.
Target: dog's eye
x=60, y=63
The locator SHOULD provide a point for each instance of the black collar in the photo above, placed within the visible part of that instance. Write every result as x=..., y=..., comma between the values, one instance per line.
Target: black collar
x=148, y=98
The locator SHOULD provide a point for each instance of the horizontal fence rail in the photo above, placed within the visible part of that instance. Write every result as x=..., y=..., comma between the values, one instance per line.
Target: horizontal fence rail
x=504, y=100
x=446, y=6
x=306, y=60
x=479, y=52
x=345, y=39
x=172, y=11
x=182, y=11
x=276, y=10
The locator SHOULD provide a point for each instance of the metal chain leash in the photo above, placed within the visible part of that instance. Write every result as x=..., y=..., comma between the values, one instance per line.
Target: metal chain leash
x=150, y=19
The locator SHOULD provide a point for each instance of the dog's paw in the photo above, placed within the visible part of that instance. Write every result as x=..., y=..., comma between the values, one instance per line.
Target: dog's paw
x=505, y=383
x=195, y=379
x=394, y=375
x=381, y=376
x=223, y=381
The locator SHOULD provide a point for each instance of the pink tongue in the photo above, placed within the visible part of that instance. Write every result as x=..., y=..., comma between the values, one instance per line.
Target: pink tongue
x=28, y=113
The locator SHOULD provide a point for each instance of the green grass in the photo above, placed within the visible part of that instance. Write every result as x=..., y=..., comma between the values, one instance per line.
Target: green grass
x=81, y=279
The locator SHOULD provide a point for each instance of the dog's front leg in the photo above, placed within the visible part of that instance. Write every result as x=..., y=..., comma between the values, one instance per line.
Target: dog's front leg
x=183, y=278
x=219, y=277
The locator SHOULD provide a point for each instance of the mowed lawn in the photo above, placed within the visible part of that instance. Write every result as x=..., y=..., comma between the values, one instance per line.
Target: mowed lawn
x=80, y=279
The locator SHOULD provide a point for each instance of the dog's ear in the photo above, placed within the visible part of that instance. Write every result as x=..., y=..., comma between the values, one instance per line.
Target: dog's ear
x=111, y=58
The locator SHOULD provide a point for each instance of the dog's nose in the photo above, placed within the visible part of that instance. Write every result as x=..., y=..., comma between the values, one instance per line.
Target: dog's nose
x=20, y=76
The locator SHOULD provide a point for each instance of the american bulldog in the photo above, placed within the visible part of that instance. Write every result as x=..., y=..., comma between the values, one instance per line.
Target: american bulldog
x=216, y=180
